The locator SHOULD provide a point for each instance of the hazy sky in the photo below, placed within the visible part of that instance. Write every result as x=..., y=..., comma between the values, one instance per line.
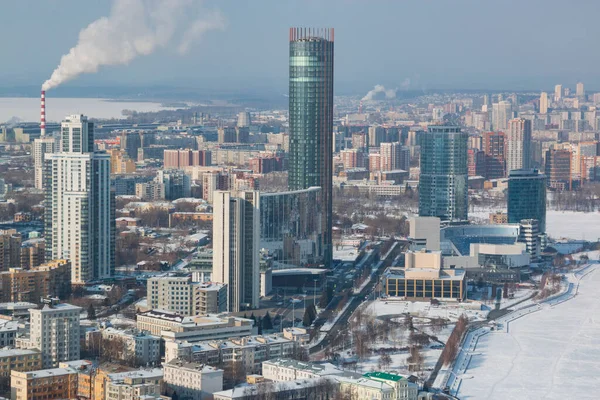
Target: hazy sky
x=472, y=44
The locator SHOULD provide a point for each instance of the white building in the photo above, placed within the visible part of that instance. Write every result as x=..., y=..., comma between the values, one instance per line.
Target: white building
x=424, y=232
x=379, y=385
x=284, y=369
x=518, y=145
x=144, y=348
x=544, y=103
x=41, y=147
x=236, y=238
x=501, y=113
x=54, y=330
x=142, y=384
x=79, y=204
x=193, y=381
x=172, y=326
x=558, y=91
x=184, y=297
x=314, y=389
x=579, y=90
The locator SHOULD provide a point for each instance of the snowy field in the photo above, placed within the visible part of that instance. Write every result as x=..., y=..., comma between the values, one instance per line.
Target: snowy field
x=550, y=354
x=561, y=224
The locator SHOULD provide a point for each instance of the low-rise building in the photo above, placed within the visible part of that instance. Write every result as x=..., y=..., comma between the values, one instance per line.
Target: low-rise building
x=171, y=326
x=314, y=389
x=45, y=384
x=184, y=297
x=379, y=385
x=193, y=381
x=52, y=279
x=134, y=385
x=251, y=351
x=139, y=346
x=22, y=360
x=8, y=331
x=285, y=369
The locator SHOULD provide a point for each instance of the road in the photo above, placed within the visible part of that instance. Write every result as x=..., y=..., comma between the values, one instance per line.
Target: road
x=339, y=327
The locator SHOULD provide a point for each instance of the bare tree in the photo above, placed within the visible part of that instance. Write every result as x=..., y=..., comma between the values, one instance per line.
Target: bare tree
x=415, y=359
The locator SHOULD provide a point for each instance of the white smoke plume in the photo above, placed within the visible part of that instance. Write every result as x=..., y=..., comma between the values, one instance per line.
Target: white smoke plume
x=135, y=28
x=379, y=92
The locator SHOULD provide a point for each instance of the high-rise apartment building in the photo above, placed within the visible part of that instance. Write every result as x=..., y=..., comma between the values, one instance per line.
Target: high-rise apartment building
x=558, y=92
x=558, y=169
x=377, y=135
x=580, y=91
x=518, y=149
x=394, y=156
x=476, y=162
x=120, y=163
x=183, y=296
x=352, y=158
x=54, y=332
x=41, y=147
x=186, y=158
x=527, y=197
x=443, y=186
x=176, y=182
x=243, y=119
x=236, y=238
x=494, y=144
x=311, y=118
x=130, y=143
x=10, y=249
x=544, y=103
x=501, y=113
x=79, y=205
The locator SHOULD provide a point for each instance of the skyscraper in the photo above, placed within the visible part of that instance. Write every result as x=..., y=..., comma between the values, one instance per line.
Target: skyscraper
x=79, y=204
x=236, y=238
x=527, y=197
x=518, y=146
x=544, y=103
x=494, y=144
x=311, y=119
x=443, y=189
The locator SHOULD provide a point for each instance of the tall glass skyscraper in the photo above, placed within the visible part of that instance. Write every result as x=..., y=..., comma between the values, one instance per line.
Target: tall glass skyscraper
x=527, y=197
x=311, y=119
x=443, y=185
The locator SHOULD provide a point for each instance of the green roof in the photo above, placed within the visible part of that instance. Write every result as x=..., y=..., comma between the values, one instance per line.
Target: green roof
x=384, y=376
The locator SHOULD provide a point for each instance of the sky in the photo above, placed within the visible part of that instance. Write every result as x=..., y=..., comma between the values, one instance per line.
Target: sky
x=432, y=44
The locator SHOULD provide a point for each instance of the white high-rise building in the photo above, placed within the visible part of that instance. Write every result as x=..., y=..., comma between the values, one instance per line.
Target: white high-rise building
x=54, y=331
x=79, y=204
x=41, y=147
x=518, y=144
x=243, y=119
x=557, y=92
x=236, y=238
x=544, y=103
x=501, y=113
x=580, y=91
x=394, y=156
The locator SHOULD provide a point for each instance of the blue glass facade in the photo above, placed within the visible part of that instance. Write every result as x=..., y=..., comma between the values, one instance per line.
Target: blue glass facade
x=527, y=197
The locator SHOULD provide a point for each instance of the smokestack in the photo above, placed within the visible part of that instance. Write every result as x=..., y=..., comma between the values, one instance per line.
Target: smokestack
x=43, y=114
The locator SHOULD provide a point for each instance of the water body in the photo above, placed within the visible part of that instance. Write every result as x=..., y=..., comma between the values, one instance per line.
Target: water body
x=28, y=109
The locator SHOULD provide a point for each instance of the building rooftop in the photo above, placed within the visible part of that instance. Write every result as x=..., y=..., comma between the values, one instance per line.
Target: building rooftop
x=17, y=352
x=384, y=375
x=140, y=373
x=47, y=373
x=191, y=366
x=318, y=369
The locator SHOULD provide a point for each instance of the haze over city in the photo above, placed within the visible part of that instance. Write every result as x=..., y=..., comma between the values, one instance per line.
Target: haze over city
x=299, y=200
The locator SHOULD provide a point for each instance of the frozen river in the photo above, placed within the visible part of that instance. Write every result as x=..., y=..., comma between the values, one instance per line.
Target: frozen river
x=550, y=354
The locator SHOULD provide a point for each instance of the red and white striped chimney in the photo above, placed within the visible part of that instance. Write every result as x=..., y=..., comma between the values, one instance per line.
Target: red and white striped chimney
x=43, y=114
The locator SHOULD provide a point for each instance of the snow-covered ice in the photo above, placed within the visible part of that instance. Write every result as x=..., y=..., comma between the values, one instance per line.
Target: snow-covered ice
x=550, y=354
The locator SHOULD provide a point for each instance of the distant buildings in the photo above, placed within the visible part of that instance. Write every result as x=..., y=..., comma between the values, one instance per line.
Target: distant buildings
x=79, y=205
x=236, y=238
x=443, y=189
x=544, y=103
x=558, y=169
x=527, y=197
x=311, y=118
x=42, y=147
x=187, y=298
x=177, y=183
x=10, y=249
x=494, y=146
x=501, y=113
x=175, y=159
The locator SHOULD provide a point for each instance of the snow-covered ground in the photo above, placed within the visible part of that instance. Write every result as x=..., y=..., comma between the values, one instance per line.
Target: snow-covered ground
x=553, y=353
x=560, y=224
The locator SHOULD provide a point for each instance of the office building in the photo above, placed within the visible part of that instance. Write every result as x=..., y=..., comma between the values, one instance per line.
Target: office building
x=544, y=103
x=52, y=279
x=184, y=297
x=558, y=169
x=311, y=118
x=41, y=147
x=527, y=197
x=494, y=145
x=44, y=384
x=443, y=186
x=190, y=380
x=171, y=326
x=236, y=238
x=79, y=204
x=501, y=113
x=518, y=144
x=54, y=331
x=10, y=249
x=176, y=182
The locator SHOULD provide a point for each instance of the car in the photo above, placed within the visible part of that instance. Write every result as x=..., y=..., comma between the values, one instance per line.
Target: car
x=280, y=303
